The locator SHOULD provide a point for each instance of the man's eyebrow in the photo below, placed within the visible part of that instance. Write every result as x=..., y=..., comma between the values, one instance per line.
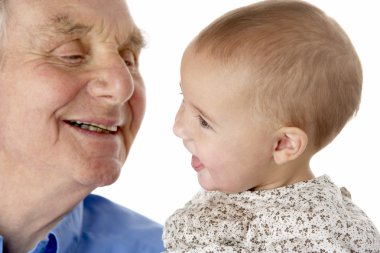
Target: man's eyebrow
x=63, y=24
x=135, y=40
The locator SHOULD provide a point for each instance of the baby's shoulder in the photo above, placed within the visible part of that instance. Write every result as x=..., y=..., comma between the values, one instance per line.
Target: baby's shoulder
x=318, y=213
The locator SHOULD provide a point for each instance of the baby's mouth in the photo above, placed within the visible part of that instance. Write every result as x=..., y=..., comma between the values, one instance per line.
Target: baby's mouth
x=93, y=127
x=196, y=163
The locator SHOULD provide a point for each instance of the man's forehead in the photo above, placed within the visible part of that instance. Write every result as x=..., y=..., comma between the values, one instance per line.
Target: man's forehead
x=70, y=21
x=66, y=25
x=62, y=14
x=63, y=23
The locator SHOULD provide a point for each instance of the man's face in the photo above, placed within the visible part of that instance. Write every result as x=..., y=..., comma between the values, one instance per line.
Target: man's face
x=71, y=96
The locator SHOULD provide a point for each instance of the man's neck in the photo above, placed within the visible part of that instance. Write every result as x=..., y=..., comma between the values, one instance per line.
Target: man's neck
x=31, y=207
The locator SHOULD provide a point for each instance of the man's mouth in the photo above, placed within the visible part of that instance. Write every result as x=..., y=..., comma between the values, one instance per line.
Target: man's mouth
x=92, y=127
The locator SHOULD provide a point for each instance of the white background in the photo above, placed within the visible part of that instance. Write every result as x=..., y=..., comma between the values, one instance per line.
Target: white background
x=157, y=177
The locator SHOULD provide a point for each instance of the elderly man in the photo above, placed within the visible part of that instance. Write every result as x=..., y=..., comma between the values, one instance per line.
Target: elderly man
x=71, y=103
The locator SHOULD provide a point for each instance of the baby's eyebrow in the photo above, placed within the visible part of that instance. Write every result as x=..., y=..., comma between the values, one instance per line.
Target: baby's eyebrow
x=202, y=112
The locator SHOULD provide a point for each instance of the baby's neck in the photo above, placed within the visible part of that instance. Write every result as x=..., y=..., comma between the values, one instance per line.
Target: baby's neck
x=286, y=175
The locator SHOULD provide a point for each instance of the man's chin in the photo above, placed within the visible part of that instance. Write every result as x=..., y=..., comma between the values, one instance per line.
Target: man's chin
x=100, y=175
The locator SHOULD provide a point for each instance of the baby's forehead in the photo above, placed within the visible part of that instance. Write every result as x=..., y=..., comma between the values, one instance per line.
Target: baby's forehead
x=204, y=59
x=237, y=61
x=235, y=77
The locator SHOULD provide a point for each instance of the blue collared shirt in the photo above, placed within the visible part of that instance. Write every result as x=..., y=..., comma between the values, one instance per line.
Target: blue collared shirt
x=98, y=225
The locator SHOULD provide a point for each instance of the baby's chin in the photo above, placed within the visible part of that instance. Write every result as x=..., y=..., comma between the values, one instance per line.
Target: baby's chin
x=208, y=183
x=213, y=187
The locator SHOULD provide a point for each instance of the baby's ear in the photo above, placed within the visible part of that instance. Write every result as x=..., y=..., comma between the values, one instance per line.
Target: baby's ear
x=290, y=143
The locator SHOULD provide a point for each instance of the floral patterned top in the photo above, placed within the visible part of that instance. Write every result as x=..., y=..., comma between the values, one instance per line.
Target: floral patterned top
x=309, y=216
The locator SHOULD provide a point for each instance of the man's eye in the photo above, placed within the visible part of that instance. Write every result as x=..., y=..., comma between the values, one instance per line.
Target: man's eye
x=130, y=60
x=71, y=53
x=129, y=63
x=203, y=123
x=73, y=59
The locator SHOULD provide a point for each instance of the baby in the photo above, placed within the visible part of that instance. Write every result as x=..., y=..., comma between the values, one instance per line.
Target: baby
x=266, y=87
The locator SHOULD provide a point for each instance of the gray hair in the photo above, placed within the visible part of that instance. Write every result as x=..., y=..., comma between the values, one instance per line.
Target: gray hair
x=3, y=24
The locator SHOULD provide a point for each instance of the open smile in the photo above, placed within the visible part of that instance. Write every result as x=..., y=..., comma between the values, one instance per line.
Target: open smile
x=196, y=163
x=93, y=127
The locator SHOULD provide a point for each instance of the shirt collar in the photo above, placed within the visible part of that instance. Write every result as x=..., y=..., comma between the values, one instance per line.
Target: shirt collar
x=65, y=235
x=67, y=232
x=1, y=244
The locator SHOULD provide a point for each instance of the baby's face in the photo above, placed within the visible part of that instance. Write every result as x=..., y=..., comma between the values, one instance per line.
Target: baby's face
x=231, y=151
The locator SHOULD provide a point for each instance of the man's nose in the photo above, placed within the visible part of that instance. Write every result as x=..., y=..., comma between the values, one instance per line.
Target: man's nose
x=112, y=83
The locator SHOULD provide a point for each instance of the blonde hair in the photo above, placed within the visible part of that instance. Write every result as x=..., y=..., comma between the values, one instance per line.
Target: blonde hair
x=304, y=70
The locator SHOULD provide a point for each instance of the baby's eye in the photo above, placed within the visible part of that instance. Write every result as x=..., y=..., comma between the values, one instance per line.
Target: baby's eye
x=203, y=123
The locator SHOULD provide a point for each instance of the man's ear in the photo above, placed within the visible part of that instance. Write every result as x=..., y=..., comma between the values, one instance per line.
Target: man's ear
x=290, y=143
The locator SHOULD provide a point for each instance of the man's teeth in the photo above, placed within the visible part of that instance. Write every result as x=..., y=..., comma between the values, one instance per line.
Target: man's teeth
x=94, y=127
